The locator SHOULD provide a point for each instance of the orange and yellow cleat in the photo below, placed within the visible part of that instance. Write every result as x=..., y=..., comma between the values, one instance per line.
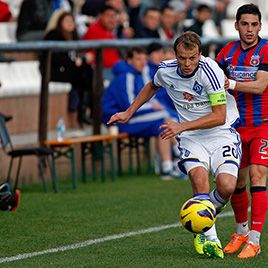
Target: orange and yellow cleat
x=249, y=251
x=236, y=242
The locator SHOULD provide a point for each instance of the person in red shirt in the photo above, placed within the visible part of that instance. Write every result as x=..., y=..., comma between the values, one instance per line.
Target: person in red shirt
x=5, y=13
x=103, y=29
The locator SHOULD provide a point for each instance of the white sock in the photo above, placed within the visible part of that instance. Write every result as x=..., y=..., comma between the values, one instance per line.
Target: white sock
x=254, y=237
x=217, y=201
x=211, y=234
x=242, y=228
x=167, y=166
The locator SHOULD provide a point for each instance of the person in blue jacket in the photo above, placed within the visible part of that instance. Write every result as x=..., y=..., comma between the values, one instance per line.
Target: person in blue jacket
x=127, y=82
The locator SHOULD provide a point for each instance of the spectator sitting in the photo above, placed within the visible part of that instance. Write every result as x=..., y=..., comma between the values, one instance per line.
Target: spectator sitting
x=104, y=28
x=168, y=23
x=201, y=22
x=72, y=67
x=34, y=16
x=147, y=26
x=122, y=90
x=202, y=14
x=5, y=13
x=123, y=30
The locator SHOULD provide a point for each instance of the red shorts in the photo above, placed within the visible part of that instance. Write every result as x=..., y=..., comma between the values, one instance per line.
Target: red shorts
x=254, y=145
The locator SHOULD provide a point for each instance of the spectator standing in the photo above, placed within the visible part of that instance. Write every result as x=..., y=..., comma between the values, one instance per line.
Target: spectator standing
x=148, y=25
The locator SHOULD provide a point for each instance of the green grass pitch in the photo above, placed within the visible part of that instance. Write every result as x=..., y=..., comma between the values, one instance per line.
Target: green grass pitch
x=97, y=210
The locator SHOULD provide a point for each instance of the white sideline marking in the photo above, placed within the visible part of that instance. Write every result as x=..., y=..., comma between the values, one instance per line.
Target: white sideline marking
x=97, y=241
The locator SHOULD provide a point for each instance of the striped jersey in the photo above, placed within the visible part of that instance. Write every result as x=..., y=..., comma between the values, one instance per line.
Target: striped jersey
x=190, y=94
x=243, y=65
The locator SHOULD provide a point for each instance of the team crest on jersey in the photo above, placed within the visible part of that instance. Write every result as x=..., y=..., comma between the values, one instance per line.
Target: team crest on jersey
x=187, y=96
x=197, y=88
x=255, y=60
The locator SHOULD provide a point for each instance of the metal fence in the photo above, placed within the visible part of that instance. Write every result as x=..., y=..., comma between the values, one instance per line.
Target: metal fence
x=48, y=47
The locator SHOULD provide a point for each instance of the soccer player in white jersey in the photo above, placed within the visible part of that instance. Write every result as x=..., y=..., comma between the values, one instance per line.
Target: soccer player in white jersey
x=207, y=139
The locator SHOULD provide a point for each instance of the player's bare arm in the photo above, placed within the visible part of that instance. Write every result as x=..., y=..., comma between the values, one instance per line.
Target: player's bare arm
x=145, y=94
x=255, y=87
x=216, y=118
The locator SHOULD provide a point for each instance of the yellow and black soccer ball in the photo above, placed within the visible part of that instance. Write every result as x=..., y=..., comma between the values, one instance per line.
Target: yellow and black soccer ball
x=197, y=215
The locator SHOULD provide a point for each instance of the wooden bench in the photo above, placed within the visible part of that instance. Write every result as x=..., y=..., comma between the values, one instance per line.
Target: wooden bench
x=96, y=146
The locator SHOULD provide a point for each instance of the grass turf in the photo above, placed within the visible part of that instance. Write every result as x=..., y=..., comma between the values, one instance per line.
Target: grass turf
x=96, y=210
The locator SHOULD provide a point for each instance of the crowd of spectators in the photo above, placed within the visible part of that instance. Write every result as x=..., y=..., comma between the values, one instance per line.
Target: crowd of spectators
x=163, y=19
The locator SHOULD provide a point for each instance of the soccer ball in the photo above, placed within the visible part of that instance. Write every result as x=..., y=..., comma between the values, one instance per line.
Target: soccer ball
x=197, y=215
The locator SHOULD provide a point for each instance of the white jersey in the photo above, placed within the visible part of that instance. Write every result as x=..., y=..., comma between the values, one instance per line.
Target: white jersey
x=190, y=94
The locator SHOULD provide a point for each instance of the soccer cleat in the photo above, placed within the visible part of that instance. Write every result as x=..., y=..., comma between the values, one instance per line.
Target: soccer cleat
x=249, y=251
x=199, y=240
x=16, y=200
x=236, y=242
x=213, y=249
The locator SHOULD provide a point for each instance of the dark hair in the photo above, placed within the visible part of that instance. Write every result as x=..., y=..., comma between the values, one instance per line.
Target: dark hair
x=248, y=9
x=165, y=7
x=67, y=36
x=203, y=7
x=107, y=7
x=188, y=40
x=148, y=9
x=154, y=47
x=138, y=50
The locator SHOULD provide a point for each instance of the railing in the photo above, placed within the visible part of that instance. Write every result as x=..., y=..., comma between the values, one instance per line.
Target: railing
x=48, y=47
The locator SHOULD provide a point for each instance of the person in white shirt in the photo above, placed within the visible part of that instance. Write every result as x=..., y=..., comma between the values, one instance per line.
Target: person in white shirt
x=205, y=132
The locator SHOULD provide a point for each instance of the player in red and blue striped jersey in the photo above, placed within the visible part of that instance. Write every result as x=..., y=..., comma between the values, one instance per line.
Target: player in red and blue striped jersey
x=245, y=63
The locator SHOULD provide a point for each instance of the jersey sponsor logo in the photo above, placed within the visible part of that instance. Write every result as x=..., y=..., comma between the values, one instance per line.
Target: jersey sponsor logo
x=264, y=157
x=242, y=73
x=190, y=106
x=255, y=60
x=197, y=88
x=187, y=96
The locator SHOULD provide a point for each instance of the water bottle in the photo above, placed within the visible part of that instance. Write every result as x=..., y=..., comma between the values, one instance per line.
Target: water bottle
x=60, y=129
